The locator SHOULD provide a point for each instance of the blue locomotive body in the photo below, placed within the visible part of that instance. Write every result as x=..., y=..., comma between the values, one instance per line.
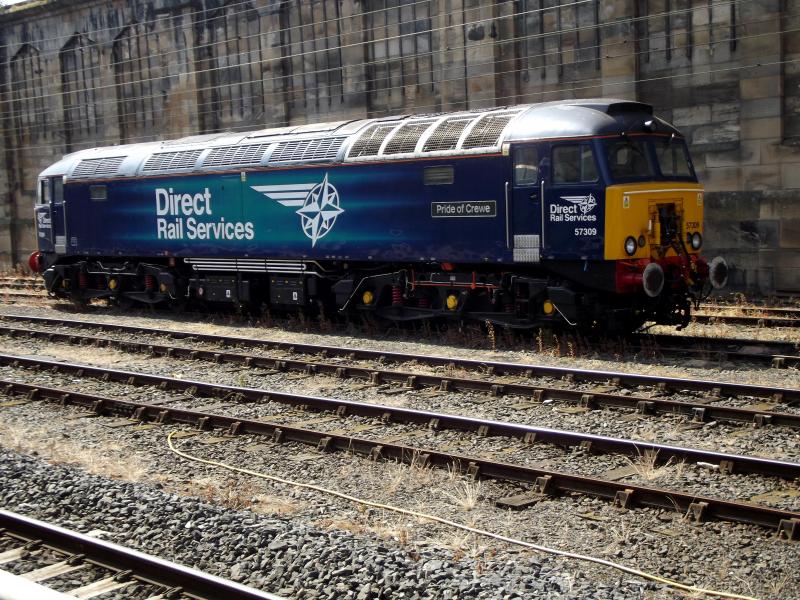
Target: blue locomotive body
x=498, y=215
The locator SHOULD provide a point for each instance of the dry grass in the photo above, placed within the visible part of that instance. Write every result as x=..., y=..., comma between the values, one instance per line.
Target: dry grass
x=380, y=525
x=238, y=494
x=647, y=467
x=109, y=461
x=466, y=495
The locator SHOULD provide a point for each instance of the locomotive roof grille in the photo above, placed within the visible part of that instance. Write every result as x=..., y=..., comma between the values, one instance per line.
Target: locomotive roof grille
x=447, y=134
x=93, y=167
x=487, y=131
x=313, y=149
x=172, y=161
x=406, y=137
x=369, y=142
x=236, y=156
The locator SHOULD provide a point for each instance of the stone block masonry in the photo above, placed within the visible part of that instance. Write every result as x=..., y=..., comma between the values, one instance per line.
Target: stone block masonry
x=727, y=73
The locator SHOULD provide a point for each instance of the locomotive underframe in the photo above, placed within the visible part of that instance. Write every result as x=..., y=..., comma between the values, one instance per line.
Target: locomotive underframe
x=511, y=296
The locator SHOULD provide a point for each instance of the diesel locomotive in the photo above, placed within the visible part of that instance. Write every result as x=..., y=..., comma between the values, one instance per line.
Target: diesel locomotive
x=586, y=213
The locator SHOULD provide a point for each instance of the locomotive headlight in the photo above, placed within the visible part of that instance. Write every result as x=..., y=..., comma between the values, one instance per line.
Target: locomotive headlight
x=697, y=240
x=630, y=245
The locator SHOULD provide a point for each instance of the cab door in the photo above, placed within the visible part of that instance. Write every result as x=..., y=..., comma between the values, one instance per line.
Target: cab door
x=59, y=216
x=573, y=203
x=526, y=204
x=43, y=216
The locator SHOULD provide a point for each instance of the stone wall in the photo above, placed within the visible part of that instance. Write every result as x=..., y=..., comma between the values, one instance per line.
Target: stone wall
x=75, y=75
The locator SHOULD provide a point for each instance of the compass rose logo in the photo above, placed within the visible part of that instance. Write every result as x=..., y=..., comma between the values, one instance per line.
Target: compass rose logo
x=585, y=203
x=319, y=205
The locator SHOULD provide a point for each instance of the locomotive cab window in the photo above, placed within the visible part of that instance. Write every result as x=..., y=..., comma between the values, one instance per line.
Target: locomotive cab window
x=673, y=159
x=58, y=190
x=628, y=159
x=98, y=192
x=574, y=164
x=44, y=191
x=526, y=165
x=438, y=175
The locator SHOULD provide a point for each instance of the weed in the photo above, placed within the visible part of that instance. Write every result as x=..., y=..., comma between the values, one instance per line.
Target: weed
x=466, y=495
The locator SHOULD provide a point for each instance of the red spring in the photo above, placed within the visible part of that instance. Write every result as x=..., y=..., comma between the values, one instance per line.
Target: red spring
x=508, y=307
x=423, y=302
x=149, y=283
x=83, y=280
x=397, y=295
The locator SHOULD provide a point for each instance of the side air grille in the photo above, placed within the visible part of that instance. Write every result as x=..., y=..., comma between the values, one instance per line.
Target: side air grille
x=301, y=150
x=370, y=141
x=235, y=156
x=405, y=139
x=447, y=134
x=172, y=161
x=96, y=167
x=487, y=131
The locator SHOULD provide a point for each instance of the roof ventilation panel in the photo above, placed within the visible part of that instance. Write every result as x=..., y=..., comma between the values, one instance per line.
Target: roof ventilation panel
x=370, y=141
x=235, y=156
x=98, y=167
x=486, y=132
x=309, y=149
x=404, y=140
x=447, y=134
x=172, y=161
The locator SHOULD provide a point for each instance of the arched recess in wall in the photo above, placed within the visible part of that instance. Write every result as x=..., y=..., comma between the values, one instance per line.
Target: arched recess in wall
x=30, y=116
x=312, y=57
x=555, y=42
x=401, y=73
x=79, y=60
x=150, y=66
x=230, y=68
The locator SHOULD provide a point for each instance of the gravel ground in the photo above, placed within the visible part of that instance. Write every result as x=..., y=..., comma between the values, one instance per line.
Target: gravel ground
x=725, y=556
x=283, y=555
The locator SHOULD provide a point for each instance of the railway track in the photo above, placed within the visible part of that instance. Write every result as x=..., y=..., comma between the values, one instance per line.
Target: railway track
x=749, y=320
x=504, y=377
x=433, y=420
x=21, y=285
x=539, y=480
x=50, y=552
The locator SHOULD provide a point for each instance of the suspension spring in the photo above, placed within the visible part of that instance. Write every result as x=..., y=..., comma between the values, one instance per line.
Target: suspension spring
x=397, y=295
x=508, y=306
x=149, y=283
x=83, y=280
x=423, y=302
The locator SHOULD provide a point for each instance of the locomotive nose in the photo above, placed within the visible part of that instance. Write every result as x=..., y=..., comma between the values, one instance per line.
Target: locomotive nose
x=718, y=272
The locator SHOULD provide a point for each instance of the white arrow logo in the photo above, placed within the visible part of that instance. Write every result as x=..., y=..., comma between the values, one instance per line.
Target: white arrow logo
x=319, y=205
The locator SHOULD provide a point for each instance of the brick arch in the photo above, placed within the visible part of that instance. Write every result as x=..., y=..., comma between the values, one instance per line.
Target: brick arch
x=28, y=95
x=230, y=67
x=79, y=60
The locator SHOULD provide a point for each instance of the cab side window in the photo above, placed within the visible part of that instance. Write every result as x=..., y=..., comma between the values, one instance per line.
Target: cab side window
x=526, y=165
x=58, y=190
x=574, y=163
x=44, y=191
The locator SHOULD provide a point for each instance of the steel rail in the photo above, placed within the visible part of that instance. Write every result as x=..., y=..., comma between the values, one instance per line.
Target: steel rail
x=143, y=567
x=18, y=285
x=542, y=481
x=728, y=463
x=767, y=321
x=700, y=410
x=778, y=353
